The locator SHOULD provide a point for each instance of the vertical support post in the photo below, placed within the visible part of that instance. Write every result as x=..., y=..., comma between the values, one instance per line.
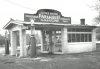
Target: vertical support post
x=54, y=42
x=22, y=43
x=42, y=40
x=6, y=44
x=25, y=43
x=94, y=39
x=13, y=43
x=64, y=36
x=50, y=42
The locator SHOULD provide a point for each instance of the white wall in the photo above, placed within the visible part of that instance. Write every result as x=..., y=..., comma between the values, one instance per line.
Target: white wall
x=78, y=47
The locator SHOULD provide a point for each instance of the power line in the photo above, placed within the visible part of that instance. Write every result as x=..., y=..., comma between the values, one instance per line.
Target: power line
x=14, y=3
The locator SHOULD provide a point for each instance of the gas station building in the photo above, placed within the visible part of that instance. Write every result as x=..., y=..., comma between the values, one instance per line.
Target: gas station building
x=58, y=35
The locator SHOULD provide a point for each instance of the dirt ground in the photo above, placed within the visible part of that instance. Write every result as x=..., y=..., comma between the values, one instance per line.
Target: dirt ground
x=89, y=60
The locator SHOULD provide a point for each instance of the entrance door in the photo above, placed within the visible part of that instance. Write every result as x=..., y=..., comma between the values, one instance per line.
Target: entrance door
x=57, y=41
x=52, y=42
x=47, y=42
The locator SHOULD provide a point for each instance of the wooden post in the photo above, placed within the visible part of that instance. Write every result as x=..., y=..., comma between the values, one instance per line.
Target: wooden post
x=13, y=43
x=64, y=40
x=6, y=44
x=22, y=43
x=42, y=40
x=50, y=41
x=94, y=39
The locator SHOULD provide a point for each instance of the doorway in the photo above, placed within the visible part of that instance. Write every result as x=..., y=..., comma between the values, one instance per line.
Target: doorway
x=52, y=41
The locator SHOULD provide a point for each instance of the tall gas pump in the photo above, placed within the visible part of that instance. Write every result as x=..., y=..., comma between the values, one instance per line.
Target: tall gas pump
x=33, y=40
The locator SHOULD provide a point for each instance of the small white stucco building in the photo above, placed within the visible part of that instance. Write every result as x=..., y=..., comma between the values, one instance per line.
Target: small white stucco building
x=57, y=33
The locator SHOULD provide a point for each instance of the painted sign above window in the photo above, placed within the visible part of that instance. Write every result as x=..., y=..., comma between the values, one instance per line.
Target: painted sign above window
x=47, y=16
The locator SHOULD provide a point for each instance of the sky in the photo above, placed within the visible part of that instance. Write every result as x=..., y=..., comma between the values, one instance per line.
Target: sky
x=76, y=9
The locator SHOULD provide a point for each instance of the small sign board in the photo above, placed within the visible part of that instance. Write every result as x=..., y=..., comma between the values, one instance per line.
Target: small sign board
x=47, y=16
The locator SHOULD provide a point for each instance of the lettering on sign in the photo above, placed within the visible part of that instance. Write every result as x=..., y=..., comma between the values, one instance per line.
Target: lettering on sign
x=47, y=16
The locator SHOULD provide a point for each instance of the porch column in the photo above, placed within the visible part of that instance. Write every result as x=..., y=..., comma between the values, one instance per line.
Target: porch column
x=25, y=43
x=64, y=39
x=94, y=39
x=13, y=43
x=54, y=42
x=50, y=42
x=22, y=38
x=42, y=40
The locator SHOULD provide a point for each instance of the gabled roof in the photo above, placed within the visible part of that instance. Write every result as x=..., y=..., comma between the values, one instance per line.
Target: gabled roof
x=14, y=22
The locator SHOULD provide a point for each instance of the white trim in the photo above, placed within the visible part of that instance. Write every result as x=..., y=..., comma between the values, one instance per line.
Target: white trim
x=78, y=42
x=45, y=51
x=53, y=52
x=23, y=22
x=58, y=53
x=80, y=32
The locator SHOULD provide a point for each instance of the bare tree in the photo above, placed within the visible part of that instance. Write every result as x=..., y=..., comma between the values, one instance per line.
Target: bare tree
x=97, y=8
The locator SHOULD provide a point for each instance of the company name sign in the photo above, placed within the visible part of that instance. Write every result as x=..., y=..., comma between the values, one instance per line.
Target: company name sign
x=47, y=16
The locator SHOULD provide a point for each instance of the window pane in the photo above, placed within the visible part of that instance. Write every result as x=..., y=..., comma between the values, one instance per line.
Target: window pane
x=86, y=37
x=73, y=37
x=69, y=37
x=69, y=29
x=90, y=38
x=79, y=30
x=58, y=38
x=77, y=37
x=88, y=30
x=82, y=37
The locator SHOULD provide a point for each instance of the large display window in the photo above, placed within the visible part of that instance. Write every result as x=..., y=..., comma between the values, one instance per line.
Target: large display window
x=79, y=35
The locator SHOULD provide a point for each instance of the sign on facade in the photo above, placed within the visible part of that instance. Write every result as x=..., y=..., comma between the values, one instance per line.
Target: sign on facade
x=47, y=16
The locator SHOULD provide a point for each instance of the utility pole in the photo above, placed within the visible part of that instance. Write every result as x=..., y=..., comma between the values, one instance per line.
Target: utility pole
x=33, y=40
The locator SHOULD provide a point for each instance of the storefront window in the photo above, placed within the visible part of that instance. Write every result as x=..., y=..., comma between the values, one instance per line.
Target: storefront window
x=79, y=37
x=79, y=30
